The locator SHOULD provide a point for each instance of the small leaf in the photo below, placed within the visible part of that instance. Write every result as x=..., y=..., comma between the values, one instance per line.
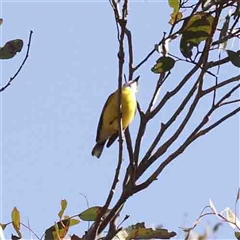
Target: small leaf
x=213, y=207
x=164, y=64
x=234, y=58
x=16, y=217
x=175, y=15
x=195, y=29
x=139, y=231
x=122, y=235
x=56, y=234
x=207, y=4
x=16, y=221
x=174, y=4
x=11, y=48
x=63, y=207
x=216, y=227
x=73, y=222
x=48, y=235
x=90, y=214
x=232, y=219
x=237, y=235
x=60, y=229
x=1, y=21
x=238, y=195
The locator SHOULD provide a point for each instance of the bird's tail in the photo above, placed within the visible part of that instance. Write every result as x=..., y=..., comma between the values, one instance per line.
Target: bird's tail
x=97, y=150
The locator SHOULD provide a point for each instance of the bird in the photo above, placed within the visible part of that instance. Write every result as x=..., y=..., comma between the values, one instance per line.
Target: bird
x=108, y=123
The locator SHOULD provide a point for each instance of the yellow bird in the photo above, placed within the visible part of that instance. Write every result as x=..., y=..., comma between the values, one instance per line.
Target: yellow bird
x=108, y=123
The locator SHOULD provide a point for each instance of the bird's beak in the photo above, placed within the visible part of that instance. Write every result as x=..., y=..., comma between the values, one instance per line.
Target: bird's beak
x=137, y=78
x=134, y=84
x=131, y=82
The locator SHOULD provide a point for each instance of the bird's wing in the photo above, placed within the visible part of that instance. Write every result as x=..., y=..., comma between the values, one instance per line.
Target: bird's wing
x=101, y=117
x=112, y=139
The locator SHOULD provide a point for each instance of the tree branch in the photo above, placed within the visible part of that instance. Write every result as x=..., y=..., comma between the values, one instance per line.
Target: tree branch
x=144, y=165
x=206, y=130
x=130, y=54
x=21, y=66
x=222, y=84
x=98, y=226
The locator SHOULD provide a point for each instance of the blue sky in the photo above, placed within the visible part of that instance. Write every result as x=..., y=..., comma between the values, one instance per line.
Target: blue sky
x=49, y=117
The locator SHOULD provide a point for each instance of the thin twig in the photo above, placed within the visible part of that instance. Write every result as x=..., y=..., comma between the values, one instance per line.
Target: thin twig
x=132, y=165
x=192, y=62
x=193, y=136
x=145, y=59
x=222, y=84
x=206, y=130
x=165, y=126
x=180, y=150
x=230, y=102
x=224, y=39
x=156, y=93
x=88, y=206
x=30, y=230
x=130, y=54
x=172, y=93
x=114, y=6
x=21, y=66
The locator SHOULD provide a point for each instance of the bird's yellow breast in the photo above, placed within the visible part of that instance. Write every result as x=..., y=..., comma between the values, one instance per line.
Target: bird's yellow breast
x=110, y=112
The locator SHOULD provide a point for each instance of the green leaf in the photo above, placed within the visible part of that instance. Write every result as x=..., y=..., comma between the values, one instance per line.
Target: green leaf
x=234, y=57
x=195, y=29
x=63, y=208
x=11, y=48
x=174, y=4
x=197, y=20
x=163, y=64
x=16, y=221
x=139, y=231
x=60, y=229
x=73, y=222
x=90, y=214
x=237, y=235
x=175, y=15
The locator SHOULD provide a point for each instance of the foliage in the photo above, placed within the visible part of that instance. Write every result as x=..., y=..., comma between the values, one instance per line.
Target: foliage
x=10, y=48
x=226, y=215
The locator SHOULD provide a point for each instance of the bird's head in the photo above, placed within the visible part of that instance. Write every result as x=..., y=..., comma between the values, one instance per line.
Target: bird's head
x=133, y=84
